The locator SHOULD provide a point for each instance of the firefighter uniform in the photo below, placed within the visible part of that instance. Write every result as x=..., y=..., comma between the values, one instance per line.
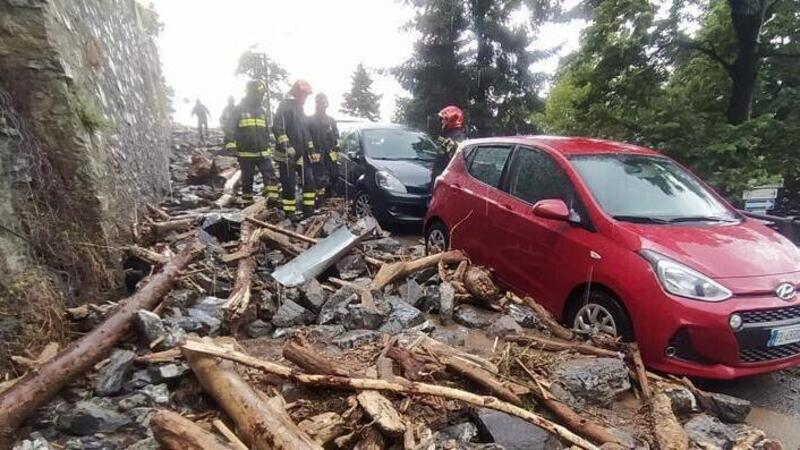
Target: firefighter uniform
x=248, y=127
x=325, y=135
x=294, y=149
x=452, y=118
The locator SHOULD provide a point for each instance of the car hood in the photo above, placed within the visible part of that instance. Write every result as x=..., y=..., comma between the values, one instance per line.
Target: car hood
x=412, y=173
x=746, y=249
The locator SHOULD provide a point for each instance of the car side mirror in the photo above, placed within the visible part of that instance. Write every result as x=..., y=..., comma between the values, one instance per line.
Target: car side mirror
x=553, y=209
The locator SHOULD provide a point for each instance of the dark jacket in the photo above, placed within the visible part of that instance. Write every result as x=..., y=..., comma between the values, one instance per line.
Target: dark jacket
x=324, y=132
x=247, y=126
x=291, y=130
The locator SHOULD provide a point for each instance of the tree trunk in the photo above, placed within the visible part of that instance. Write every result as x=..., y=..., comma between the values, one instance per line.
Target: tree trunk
x=747, y=16
x=35, y=388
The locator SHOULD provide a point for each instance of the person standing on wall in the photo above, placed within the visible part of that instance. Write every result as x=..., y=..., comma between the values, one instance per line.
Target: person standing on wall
x=294, y=147
x=202, y=114
x=248, y=125
x=325, y=135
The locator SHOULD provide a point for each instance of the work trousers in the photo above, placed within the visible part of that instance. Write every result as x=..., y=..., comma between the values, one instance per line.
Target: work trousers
x=288, y=175
x=202, y=128
x=248, y=167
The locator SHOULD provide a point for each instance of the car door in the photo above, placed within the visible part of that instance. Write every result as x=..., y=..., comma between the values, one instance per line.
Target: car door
x=474, y=199
x=541, y=257
x=350, y=163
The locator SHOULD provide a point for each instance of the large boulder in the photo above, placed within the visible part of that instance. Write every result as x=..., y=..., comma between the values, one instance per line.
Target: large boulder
x=401, y=317
x=590, y=380
x=709, y=432
x=727, y=408
x=87, y=418
x=513, y=433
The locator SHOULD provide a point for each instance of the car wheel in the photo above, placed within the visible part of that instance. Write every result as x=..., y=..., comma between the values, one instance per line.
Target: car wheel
x=436, y=238
x=602, y=313
x=362, y=205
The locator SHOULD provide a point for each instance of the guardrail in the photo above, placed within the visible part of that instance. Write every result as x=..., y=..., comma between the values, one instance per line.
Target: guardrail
x=787, y=226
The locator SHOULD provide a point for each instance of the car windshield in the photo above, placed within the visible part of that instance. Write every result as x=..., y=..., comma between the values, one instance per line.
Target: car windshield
x=399, y=144
x=648, y=189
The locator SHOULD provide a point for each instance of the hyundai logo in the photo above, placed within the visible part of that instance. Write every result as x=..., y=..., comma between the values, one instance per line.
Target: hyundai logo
x=785, y=291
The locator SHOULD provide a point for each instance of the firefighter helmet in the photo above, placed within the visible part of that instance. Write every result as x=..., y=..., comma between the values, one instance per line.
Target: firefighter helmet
x=452, y=117
x=255, y=87
x=301, y=88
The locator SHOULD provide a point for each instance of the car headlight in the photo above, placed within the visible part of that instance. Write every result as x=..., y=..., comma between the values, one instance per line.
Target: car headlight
x=389, y=182
x=683, y=281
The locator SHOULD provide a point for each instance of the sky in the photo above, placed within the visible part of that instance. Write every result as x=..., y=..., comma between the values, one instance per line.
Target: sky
x=321, y=41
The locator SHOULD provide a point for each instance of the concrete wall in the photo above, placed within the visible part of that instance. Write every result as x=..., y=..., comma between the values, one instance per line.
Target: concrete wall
x=83, y=136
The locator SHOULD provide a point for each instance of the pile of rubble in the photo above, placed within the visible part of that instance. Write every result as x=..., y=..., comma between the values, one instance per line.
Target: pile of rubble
x=251, y=331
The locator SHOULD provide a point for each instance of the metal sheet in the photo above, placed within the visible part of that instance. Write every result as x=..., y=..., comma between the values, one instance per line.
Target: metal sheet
x=316, y=260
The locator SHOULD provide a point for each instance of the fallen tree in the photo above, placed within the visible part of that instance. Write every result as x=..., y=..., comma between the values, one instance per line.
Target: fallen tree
x=35, y=388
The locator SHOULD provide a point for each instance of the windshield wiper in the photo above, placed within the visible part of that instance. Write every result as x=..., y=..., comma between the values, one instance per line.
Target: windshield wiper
x=641, y=219
x=699, y=219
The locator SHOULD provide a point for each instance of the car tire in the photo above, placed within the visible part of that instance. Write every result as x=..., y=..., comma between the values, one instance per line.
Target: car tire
x=436, y=238
x=601, y=311
x=362, y=204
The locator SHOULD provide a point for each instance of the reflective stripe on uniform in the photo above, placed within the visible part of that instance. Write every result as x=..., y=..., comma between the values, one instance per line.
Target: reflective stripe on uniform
x=252, y=123
x=272, y=191
x=282, y=139
x=230, y=145
x=310, y=144
x=263, y=154
x=309, y=198
x=334, y=156
x=289, y=205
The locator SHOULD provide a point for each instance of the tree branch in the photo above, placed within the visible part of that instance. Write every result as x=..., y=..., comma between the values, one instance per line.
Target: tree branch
x=772, y=52
x=708, y=51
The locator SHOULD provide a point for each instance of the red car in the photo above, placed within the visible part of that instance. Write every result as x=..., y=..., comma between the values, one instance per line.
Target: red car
x=621, y=239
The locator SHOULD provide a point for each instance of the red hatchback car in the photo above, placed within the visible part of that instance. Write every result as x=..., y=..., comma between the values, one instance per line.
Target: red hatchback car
x=619, y=238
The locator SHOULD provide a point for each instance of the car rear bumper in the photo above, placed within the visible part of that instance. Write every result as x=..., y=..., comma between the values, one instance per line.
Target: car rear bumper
x=696, y=338
x=400, y=208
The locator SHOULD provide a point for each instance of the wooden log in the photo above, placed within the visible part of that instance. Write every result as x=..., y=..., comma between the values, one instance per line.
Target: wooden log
x=483, y=379
x=372, y=439
x=147, y=255
x=410, y=387
x=277, y=229
x=311, y=361
x=229, y=435
x=667, y=430
x=229, y=190
x=443, y=350
x=324, y=428
x=558, y=345
x=381, y=410
x=280, y=241
x=175, y=432
x=157, y=211
x=239, y=298
x=262, y=425
x=641, y=373
x=162, y=228
x=36, y=388
x=412, y=366
x=392, y=271
x=555, y=328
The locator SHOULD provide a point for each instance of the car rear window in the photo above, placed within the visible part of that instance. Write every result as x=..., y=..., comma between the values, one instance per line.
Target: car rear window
x=487, y=163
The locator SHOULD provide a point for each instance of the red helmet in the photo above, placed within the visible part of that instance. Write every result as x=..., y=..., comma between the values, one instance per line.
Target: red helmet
x=301, y=88
x=452, y=117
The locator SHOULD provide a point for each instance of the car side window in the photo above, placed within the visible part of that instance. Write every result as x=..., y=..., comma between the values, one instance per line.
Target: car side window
x=350, y=144
x=487, y=163
x=534, y=175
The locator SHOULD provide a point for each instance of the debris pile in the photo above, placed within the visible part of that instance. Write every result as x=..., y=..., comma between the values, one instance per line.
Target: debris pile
x=251, y=331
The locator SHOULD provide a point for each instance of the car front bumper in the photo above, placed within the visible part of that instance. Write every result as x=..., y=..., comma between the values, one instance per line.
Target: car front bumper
x=400, y=208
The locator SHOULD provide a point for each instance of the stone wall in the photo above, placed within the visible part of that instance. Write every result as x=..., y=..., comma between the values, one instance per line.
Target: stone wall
x=83, y=138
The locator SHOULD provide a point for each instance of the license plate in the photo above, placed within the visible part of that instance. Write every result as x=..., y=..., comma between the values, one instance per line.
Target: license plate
x=783, y=336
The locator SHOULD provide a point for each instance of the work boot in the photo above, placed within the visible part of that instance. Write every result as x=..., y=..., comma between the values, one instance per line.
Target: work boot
x=246, y=200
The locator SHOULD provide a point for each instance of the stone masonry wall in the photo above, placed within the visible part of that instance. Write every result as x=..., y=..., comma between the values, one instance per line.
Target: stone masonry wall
x=83, y=139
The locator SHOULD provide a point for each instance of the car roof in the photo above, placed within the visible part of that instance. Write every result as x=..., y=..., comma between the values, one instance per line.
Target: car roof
x=571, y=146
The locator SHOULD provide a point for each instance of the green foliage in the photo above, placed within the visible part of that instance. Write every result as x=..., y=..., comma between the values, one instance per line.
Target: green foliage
x=259, y=66
x=634, y=79
x=361, y=101
x=92, y=119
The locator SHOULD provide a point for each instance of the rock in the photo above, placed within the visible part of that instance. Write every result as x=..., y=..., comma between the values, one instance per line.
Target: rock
x=135, y=400
x=355, y=338
x=213, y=306
x=462, y=432
x=429, y=302
x=150, y=325
x=387, y=245
x=169, y=371
x=705, y=431
x=223, y=226
x=411, y=291
x=447, y=301
x=682, y=399
x=34, y=442
x=291, y=314
x=401, y=317
x=158, y=393
x=334, y=221
x=513, y=433
x=356, y=316
x=266, y=305
x=312, y=296
x=727, y=408
x=351, y=267
x=341, y=297
x=258, y=328
x=523, y=315
x=593, y=380
x=275, y=258
x=108, y=380
x=454, y=335
x=144, y=444
x=504, y=326
x=325, y=332
x=138, y=380
x=473, y=317
x=86, y=418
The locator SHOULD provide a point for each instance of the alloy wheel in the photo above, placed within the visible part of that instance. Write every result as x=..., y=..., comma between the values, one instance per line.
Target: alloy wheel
x=593, y=318
x=363, y=207
x=437, y=241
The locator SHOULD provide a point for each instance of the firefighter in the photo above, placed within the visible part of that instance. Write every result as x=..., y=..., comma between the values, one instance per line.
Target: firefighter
x=325, y=135
x=294, y=147
x=229, y=139
x=453, y=133
x=248, y=125
x=202, y=114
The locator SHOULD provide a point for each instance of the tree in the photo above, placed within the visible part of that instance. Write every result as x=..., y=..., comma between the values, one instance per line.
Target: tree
x=401, y=110
x=259, y=66
x=361, y=101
